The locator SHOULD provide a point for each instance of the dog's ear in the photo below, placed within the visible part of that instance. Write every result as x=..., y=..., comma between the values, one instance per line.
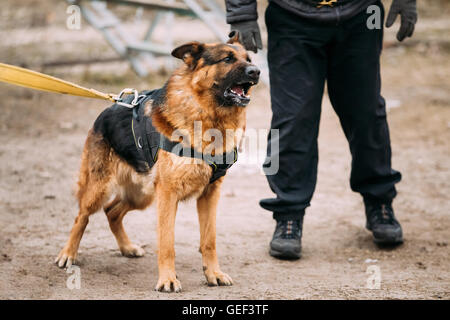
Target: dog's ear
x=234, y=37
x=189, y=52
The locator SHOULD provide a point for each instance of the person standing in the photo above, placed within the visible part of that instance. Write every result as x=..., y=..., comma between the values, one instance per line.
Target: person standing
x=310, y=42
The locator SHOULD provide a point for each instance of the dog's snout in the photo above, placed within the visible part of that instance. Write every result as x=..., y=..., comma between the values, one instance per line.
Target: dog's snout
x=253, y=72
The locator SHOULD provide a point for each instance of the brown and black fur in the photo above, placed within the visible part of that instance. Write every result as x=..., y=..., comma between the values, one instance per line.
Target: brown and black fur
x=112, y=176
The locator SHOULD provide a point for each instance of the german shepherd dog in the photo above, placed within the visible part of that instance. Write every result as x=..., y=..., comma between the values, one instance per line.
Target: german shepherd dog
x=212, y=86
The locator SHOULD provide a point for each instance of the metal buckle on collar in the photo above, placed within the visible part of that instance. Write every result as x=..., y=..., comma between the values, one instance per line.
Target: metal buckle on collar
x=137, y=98
x=326, y=3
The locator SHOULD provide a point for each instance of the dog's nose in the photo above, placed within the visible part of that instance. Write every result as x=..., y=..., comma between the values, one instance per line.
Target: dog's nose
x=253, y=72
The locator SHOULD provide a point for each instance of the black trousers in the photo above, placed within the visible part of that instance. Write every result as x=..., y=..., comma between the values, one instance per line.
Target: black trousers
x=302, y=54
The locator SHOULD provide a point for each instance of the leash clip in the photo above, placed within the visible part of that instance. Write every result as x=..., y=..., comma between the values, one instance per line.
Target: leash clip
x=118, y=98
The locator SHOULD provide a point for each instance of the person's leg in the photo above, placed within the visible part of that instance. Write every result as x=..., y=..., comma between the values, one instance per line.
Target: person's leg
x=354, y=89
x=297, y=66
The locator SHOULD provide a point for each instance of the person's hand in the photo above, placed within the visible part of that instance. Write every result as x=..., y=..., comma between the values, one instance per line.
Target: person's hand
x=250, y=34
x=408, y=14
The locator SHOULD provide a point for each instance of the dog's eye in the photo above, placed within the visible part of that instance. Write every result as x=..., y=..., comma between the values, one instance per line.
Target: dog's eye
x=228, y=59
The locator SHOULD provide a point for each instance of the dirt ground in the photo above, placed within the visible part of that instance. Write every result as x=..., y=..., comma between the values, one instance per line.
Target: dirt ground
x=41, y=139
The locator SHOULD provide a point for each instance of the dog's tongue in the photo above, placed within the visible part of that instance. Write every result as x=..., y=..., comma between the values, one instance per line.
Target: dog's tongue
x=238, y=89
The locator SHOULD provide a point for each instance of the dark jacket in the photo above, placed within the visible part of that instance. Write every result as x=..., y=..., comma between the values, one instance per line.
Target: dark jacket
x=244, y=10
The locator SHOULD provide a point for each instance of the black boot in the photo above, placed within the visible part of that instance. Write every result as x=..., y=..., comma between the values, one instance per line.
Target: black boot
x=381, y=221
x=286, y=241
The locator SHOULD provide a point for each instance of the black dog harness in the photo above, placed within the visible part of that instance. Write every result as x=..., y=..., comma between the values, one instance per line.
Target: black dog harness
x=148, y=141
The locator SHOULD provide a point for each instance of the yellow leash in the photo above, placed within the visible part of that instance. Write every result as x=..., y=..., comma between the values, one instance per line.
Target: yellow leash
x=36, y=80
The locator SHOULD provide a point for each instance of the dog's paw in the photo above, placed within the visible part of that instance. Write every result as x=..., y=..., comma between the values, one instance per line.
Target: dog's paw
x=168, y=284
x=132, y=251
x=65, y=259
x=218, y=278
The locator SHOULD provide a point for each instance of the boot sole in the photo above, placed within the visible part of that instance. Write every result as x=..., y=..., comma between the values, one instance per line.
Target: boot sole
x=392, y=241
x=386, y=241
x=285, y=255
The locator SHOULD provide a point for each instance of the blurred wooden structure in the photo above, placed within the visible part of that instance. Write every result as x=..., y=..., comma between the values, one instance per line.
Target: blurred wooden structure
x=141, y=52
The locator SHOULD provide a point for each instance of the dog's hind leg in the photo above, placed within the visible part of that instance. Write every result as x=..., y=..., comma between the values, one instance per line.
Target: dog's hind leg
x=115, y=212
x=92, y=193
x=207, y=207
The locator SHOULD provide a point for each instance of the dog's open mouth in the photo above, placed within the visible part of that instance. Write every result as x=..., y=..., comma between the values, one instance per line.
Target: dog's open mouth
x=239, y=93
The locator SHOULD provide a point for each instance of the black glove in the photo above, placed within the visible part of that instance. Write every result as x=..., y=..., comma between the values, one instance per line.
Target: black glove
x=250, y=35
x=408, y=14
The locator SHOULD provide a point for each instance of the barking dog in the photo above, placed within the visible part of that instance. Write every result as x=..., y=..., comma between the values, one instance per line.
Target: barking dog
x=212, y=86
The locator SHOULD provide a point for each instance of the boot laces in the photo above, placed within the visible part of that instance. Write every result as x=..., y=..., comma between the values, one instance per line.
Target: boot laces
x=384, y=214
x=290, y=229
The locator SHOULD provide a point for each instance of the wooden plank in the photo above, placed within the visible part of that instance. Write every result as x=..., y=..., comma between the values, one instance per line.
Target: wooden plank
x=150, y=47
x=177, y=7
x=63, y=63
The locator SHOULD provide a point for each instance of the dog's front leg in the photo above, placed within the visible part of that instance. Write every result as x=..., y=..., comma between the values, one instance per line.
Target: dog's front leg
x=167, y=203
x=207, y=207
